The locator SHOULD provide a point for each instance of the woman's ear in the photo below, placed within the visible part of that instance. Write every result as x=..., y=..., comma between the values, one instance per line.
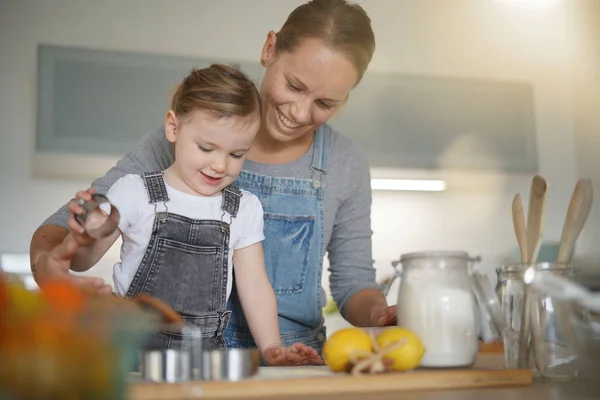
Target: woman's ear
x=268, y=51
x=171, y=125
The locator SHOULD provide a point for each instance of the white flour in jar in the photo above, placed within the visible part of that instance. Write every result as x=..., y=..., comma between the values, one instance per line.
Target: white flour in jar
x=443, y=318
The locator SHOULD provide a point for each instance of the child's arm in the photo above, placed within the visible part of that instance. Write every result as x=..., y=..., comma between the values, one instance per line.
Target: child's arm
x=260, y=309
x=257, y=296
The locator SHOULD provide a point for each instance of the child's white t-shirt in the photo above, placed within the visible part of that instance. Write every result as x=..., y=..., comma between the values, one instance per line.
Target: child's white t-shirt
x=130, y=196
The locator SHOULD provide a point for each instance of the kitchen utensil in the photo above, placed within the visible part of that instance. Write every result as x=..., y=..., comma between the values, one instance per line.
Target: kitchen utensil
x=167, y=365
x=100, y=218
x=231, y=364
x=586, y=333
x=531, y=322
x=577, y=214
x=181, y=363
x=561, y=362
x=520, y=226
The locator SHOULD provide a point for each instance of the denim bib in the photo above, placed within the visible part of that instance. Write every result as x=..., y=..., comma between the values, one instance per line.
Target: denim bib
x=185, y=265
x=294, y=250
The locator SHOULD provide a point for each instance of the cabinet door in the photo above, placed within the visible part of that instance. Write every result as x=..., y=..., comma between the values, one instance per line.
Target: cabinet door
x=96, y=102
x=423, y=122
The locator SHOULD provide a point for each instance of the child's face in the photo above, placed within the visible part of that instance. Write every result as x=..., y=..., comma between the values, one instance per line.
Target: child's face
x=209, y=150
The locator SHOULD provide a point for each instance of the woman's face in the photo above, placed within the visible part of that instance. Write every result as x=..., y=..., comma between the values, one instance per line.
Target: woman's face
x=301, y=90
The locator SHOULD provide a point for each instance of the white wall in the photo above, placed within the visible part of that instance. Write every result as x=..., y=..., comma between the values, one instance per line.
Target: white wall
x=468, y=38
x=585, y=23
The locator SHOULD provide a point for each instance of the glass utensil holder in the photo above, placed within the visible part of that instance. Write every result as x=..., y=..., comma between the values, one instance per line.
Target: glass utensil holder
x=555, y=357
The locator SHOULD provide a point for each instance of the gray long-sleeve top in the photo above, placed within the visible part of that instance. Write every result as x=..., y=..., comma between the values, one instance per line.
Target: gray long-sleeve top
x=347, y=203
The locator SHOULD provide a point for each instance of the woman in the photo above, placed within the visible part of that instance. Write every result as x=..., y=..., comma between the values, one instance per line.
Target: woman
x=313, y=183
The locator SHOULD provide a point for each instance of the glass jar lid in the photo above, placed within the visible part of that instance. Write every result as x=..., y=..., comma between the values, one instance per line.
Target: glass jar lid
x=438, y=254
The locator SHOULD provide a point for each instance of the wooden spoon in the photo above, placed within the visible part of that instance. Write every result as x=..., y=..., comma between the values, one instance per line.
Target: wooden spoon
x=531, y=315
x=577, y=214
x=535, y=217
x=520, y=226
x=521, y=234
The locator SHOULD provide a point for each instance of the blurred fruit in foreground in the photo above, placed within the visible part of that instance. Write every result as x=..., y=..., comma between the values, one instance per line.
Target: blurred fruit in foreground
x=64, y=343
x=63, y=296
x=343, y=345
x=406, y=356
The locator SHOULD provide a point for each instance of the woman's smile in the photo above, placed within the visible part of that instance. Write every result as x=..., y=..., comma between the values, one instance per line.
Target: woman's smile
x=287, y=123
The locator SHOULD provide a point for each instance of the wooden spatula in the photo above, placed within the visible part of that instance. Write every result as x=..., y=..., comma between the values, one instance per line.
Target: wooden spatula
x=531, y=316
x=535, y=217
x=521, y=234
x=520, y=226
x=577, y=214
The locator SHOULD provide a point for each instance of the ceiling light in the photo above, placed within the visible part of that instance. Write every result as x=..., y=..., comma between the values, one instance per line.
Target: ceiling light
x=408, y=184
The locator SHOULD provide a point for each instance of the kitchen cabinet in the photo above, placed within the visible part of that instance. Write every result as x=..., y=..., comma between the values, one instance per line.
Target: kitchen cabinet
x=92, y=105
x=430, y=122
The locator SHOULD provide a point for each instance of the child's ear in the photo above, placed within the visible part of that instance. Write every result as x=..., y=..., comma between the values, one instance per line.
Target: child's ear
x=171, y=124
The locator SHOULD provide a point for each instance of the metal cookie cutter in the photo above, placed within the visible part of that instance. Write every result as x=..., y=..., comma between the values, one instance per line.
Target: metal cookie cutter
x=233, y=364
x=181, y=364
x=101, y=218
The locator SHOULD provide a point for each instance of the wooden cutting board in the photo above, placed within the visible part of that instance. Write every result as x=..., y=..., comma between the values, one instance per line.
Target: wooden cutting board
x=314, y=381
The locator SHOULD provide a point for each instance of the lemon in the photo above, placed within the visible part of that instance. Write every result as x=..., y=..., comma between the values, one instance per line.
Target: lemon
x=407, y=356
x=340, y=346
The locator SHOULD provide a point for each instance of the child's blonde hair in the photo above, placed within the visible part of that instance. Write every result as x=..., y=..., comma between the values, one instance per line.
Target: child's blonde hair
x=220, y=88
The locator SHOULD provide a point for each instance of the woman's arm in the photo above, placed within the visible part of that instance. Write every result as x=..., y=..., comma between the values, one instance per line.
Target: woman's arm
x=352, y=279
x=86, y=257
x=152, y=154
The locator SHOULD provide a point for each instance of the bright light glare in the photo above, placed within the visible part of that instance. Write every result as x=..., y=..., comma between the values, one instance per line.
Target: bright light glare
x=530, y=3
x=408, y=184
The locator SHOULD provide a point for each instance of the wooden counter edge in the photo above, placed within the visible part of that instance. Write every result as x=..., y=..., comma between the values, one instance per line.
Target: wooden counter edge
x=334, y=385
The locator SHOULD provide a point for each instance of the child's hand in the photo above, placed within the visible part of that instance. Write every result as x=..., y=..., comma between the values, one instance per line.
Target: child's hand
x=77, y=231
x=296, y=354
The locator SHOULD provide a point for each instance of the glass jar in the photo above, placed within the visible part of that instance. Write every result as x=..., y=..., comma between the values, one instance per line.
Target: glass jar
x=558, y=358
x=436, y=301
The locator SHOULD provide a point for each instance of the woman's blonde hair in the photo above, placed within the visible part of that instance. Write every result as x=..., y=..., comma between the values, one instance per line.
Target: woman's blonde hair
x=222, y=89
x=341, y=25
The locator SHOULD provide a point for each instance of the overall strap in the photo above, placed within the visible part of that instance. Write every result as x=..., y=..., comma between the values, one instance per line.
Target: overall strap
x=321, y=146
x=155, y=185
x=231, y=200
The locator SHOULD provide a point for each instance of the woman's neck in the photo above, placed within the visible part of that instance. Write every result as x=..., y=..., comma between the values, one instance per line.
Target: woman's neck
x=265, y=150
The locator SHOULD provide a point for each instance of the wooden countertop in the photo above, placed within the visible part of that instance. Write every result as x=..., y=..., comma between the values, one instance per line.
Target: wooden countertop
x=538, y=390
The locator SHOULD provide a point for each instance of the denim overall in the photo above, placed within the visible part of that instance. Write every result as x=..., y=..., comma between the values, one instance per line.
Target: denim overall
x=185, y=265
x=294, y=251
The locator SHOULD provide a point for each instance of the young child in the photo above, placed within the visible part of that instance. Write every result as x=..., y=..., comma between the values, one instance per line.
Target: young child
x=185, y=228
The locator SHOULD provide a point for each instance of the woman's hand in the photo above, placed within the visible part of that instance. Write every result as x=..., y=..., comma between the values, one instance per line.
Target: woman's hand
x=296, y=354
x=56, y=264
x=384, y=316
